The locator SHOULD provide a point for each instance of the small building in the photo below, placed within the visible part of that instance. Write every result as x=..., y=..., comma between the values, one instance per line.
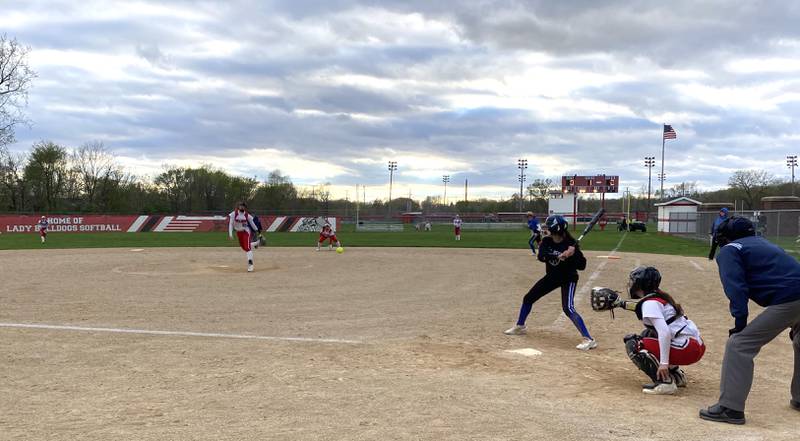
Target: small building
x=780, y=203
x=678, y=216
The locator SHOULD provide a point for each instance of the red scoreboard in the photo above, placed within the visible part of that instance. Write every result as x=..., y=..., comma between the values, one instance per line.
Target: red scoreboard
x=590, y=184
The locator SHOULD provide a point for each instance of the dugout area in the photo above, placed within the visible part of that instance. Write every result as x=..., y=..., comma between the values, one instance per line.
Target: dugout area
x=377, y=343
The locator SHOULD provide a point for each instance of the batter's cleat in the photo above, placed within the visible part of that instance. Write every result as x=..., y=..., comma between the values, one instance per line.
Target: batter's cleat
x=587, y=344
x=795, y=404
x=516, y=330
x=678, y=376
x=660, y=388
x=722, y=414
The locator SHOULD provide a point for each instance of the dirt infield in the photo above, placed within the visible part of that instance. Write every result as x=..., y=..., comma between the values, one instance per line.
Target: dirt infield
x=394, y=344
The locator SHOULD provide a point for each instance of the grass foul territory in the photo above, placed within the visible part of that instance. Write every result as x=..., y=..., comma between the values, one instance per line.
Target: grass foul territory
x=441, y=236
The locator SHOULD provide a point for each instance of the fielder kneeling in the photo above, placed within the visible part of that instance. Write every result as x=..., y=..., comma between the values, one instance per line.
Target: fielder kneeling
x=670, y=340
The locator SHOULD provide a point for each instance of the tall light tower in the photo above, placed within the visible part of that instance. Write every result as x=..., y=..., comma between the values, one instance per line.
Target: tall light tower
x=791, y=162
x=649, y=162
x=662, y=177
x=445, y=179
x=522, y=164
x=392, y=169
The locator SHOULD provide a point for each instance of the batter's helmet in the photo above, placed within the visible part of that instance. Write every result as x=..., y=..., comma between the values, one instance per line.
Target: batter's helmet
x=555, y=224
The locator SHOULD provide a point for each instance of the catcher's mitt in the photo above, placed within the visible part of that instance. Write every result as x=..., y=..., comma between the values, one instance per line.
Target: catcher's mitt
x=604, y=299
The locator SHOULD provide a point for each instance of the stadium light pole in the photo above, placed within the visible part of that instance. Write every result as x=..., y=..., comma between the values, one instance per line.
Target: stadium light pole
x=791, y=162
x=445, y=179
x=392, y=168
x=662, y=177
x=522, y=164
x=649, y=162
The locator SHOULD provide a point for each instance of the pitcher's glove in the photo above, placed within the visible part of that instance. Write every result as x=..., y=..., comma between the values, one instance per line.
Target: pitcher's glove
x=605, y=299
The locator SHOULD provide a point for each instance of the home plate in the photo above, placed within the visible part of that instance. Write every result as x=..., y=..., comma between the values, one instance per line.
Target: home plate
x=528, y=352
x=136, y=250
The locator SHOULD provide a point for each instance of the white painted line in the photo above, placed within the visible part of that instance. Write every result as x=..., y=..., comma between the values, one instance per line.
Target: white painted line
x=175, y=333
x=595, y=274
x=163, y=224
x=528, y=352
x=136, y=250
x=696, y=265
x=137, y=224
x=276, y=224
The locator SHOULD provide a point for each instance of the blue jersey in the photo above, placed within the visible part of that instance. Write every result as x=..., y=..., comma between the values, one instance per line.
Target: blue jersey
x=533, y=224
x=257, y=221
x=716, y=223
x=751, y=268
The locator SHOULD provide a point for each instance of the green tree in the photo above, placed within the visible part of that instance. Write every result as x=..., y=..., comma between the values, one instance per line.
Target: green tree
x=46, y=175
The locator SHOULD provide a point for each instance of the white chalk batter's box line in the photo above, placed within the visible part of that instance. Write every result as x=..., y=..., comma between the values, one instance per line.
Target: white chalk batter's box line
x=176, y=333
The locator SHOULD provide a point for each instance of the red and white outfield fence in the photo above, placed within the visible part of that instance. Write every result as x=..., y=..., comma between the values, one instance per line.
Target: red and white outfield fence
x=154, y=223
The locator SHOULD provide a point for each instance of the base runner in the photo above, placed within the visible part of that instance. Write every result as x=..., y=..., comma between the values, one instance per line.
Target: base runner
x=242, y=222
x=536, y=235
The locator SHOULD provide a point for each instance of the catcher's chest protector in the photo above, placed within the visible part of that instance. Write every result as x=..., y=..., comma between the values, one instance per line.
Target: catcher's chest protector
x=654, y=296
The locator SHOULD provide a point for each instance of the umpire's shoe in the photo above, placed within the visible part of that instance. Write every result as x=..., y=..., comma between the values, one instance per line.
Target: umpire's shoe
x=795, y=404
x=722, y=414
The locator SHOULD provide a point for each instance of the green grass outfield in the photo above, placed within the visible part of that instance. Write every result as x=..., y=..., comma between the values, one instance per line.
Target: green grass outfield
x=441, y=236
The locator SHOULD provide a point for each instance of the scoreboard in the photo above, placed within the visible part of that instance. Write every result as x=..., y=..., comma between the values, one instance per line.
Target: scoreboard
x=590, y=184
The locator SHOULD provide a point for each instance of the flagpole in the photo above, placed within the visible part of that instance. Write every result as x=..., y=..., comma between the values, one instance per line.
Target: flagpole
x=662, y=160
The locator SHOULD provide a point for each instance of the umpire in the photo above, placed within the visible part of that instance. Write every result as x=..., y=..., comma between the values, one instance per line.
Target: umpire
x=752, y=268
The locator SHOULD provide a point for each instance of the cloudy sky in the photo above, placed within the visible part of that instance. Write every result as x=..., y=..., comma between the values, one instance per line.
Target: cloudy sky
x=330, y=90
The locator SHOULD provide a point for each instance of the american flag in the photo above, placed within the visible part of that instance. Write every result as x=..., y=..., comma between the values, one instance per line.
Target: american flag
x=669, y=132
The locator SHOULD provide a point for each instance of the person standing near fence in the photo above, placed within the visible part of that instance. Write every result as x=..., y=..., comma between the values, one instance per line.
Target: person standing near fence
x=536, y=235
x=723, y=214
x=751, y=268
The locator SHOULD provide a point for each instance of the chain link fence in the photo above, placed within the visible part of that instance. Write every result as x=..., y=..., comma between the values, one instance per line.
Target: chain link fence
x=781, y=227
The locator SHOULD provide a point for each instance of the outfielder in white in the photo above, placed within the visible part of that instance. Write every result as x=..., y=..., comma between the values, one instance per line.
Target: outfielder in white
x=457, y=225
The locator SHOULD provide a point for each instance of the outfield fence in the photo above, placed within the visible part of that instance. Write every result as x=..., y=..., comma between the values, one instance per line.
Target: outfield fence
x=781, y=227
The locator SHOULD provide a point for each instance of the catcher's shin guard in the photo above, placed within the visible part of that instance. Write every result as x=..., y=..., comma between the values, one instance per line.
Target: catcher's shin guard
x=644, y=360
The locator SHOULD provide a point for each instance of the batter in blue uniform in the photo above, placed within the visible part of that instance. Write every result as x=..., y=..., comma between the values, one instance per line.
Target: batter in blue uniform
x=563, y=259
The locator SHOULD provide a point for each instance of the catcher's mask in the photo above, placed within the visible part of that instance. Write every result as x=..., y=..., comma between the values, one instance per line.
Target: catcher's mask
x=643, y=279
x=730, y=229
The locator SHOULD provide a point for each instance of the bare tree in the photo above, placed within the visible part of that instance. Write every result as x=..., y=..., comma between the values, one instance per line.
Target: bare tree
x=751, y=185
x=95, y=166
x=15, y=80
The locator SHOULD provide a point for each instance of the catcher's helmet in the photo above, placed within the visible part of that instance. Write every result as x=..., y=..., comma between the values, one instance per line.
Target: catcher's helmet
x=646, y=279
x=556, y=224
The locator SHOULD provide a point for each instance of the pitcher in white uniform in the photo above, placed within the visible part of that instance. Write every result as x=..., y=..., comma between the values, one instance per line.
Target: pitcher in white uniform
x=242, y=222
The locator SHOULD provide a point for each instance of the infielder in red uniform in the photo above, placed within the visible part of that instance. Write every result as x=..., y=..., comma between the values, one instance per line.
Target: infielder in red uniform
x=328, y=234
